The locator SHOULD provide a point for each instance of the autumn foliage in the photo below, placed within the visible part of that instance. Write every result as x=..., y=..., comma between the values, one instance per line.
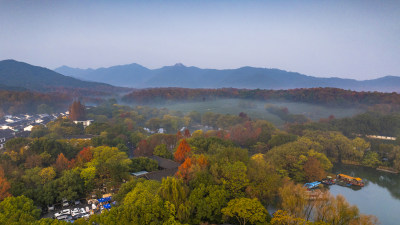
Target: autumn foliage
x=142, y=149
x=313, y=170
x=331, y=96
x=85, y=155
x=62, y=163
x=4, y=186
x=179, y=135
x=243, y=133
x=77, y=111
x=192, y=164
x=182, y=152
x=184, y=168
x=186, y=133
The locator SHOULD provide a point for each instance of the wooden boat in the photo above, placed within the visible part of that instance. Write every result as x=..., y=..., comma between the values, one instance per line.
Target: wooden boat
x=349, y=181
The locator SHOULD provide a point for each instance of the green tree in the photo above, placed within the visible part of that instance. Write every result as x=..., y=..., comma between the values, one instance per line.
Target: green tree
x=176, y=192
x=264, y=181
x=359, y=147
x=162, y=151
x=142, y=205
x=49, y=193
x=282, y=217
x=47, y=174
x=206, y=202
x=143, y=163
x=39, y=131
x=281, y=138
x=371, y=159
x=88, y=175
x=126, y=188
x=70, y=186
x=43, y=108
x=246, y=210
x=111, y=163
x=233, y=176
x=48, y=221
x=18, y=211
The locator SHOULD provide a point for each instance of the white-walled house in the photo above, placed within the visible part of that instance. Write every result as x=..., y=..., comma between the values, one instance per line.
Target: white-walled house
x=85, y=123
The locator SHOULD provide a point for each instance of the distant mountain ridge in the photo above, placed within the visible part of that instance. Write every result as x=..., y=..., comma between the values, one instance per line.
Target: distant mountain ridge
x=18, y=76
x=137, y=76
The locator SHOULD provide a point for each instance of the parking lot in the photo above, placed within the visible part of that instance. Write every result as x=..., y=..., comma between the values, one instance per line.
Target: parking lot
x=70, y=211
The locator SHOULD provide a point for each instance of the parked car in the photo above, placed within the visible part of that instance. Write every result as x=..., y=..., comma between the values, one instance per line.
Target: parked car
x=66, y=212
x=65, y=203
x=50, y=208
x=82, y=210
x=75, y=212
x=62, y=217
x=77, y=202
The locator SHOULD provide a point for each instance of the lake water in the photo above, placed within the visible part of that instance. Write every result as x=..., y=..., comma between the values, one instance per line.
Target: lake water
x=380, y=196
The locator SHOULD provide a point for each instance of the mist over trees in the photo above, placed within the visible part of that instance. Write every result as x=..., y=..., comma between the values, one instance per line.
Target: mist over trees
x=230, y=167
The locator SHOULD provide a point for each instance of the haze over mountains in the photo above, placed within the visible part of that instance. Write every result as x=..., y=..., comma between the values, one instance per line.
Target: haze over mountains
x=137, y=76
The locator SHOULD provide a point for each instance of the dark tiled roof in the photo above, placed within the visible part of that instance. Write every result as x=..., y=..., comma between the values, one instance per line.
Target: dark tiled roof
x=165, y=163
x=6, y=133
x=160, y=174
x=22, y=134
x=87, y=136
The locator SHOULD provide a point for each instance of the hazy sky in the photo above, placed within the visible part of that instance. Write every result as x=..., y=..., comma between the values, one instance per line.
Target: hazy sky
x=354, y=39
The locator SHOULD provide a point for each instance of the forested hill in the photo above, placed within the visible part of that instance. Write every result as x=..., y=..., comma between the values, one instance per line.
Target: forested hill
x=16, y=75
x=324, y=96
x=134, y=75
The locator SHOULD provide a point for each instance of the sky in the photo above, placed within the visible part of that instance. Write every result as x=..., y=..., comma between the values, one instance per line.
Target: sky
x=348, y=39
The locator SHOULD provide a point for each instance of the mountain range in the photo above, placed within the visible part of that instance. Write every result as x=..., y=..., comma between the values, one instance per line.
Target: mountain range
x=137, y=76
x=20, y=76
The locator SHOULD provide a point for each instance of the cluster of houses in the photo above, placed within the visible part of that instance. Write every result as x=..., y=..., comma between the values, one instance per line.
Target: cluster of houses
x=21, y=125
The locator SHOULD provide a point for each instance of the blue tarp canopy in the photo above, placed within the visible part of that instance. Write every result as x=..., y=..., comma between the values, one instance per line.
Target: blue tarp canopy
x=107, y=206
x=312, y=185
x=101, y=200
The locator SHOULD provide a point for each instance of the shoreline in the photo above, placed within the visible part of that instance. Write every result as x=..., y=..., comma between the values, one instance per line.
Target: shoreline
x=388, y=170
x=379, y=168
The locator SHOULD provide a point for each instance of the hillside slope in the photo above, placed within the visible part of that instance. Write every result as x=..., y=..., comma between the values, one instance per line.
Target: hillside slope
x=22, y=75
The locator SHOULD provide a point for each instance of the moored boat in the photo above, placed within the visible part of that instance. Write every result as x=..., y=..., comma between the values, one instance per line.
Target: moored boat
x=349, y=181
x=328, y=180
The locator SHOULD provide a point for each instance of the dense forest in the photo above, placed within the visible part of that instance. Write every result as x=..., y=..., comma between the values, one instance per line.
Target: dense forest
x=14, y=102
x=231, y=168
x=329, y=96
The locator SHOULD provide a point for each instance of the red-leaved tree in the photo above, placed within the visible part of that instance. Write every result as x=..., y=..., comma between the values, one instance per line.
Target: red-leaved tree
x=182, y=152
x=84, y=156
x=62, y=163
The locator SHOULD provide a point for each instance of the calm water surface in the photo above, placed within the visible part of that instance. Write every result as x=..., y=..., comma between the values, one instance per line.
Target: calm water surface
x=380, y=196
